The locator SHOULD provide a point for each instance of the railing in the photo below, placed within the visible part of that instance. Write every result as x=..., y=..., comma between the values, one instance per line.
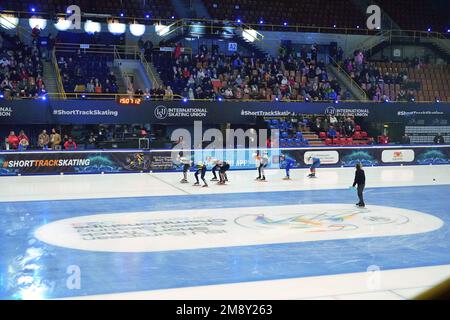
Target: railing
x=149, y=71
x=256, y=26
x=353, y=83
x=176, y=97
x=58, y=76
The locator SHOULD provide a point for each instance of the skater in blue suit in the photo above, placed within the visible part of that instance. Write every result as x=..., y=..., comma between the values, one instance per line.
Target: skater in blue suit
x=289, y=163
x=315, y=164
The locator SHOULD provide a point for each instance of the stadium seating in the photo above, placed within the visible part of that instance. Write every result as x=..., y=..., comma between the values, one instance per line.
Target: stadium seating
x=84, y=72
x=210, y=75
x=21, y=68
x=131, y=8
x=305, y=13
x=417, y=14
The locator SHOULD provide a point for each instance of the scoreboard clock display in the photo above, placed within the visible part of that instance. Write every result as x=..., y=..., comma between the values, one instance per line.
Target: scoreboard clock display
x=128, y=101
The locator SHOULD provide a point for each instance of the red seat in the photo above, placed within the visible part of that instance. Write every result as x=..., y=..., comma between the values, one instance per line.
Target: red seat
x=338, y=134
x=349, y=141
x=338, y=141
x=328, y=141
x=357, y=128
x=322, y=135
x=363, y=134
x=357, y=135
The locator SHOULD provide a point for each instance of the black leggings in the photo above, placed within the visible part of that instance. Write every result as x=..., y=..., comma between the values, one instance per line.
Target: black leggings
x=202, y=173
x=360, y=193
x=214, y=169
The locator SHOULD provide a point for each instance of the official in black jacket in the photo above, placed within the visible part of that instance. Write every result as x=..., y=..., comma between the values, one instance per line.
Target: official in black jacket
x=360, y=180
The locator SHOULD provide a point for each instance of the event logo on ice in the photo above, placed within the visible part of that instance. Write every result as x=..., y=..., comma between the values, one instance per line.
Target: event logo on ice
x=226, y=227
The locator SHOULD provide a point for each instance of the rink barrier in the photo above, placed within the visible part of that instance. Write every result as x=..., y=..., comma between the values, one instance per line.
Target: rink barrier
x=135, y=161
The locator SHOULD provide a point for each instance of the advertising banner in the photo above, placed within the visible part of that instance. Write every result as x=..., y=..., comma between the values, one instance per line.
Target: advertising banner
x=37, y=111
x=56, y=162
x=72, y=162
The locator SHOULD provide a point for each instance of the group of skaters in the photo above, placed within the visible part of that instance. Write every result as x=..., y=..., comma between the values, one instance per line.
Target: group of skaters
x=221, y=167
x=262, y=161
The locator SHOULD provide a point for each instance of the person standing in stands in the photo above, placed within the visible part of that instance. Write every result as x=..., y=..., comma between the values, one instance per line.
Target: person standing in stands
x=70, y=144
x=439, y=139
x=406, y=139
x=12, y=141
x=23, y=144
x=23, y=136
x=55, y=140
x=43, y=140
x=360, y=180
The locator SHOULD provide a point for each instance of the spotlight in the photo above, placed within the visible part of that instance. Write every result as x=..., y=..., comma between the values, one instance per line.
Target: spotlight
x=83, y=96
x=334, y=26
x=276, y=99
x=1, y=96
x=33, y=9
x=173, y=17
x=357, y=27
x=238, y=20
x=147, y=97
x=429, y=29
x=44, y=98
x=336, y=101
x=386, y=100
x=261, y=21
x=412, y=99
x=220, y=99
x=448, y=30
x=147, y=16
x=437, y=100
x=185, y=100
x=285, y=23
x=121, y=14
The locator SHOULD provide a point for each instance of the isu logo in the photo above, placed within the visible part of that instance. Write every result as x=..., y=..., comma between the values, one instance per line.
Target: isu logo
x=330, y=110
x=160, y=112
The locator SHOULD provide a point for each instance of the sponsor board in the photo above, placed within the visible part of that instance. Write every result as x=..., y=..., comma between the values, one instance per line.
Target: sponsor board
x=403, y=155
x=326, y=157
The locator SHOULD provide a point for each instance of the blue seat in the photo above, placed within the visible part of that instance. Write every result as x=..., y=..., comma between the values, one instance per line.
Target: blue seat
x=284, y=134
x=274, y=122
x=298, y=142
x=290, y=142
x=299, y=135
x=283, y=143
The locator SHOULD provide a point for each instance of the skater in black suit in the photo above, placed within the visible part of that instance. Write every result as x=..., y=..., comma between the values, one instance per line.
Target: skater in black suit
x=201, y=170
x=224, y=167
x=360, y=180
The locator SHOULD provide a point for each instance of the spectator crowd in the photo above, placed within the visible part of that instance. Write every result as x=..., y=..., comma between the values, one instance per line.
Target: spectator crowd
x=21, y=68
x=211, y=74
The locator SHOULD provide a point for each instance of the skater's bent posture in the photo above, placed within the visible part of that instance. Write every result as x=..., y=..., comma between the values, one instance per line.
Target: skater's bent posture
x=263, y=162
x=186, y=165
x=224, y=166
x=216, y=167
x=289, y=163
x=201, y=170
x=315, y=164
x=360, y=180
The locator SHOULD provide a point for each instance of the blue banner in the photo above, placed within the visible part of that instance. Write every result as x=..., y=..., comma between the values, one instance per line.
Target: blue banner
x=210, y=112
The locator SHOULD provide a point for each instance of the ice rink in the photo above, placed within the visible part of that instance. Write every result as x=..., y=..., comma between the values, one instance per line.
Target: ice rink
x=147, y=236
